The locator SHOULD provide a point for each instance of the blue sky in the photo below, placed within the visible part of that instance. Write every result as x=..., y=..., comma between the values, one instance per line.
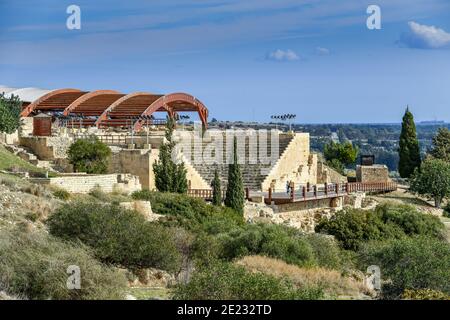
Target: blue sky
x=244, y=59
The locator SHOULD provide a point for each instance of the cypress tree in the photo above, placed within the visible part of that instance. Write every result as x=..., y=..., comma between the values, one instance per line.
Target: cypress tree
x=169, y=176
x=441, y=145
x=409, y=146
x=235, y=190
x=217, y=192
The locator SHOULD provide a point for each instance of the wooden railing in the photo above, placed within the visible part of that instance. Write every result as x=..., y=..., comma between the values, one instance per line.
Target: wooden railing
x=306, y=192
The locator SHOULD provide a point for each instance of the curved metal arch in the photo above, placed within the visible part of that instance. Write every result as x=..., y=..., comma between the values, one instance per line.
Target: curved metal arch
x=85, y=98
x=118, y=102
x=164, y=102
x=32, y=106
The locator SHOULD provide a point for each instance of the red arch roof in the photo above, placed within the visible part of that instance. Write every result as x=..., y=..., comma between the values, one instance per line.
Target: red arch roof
x=112, y=108
x=56, y=99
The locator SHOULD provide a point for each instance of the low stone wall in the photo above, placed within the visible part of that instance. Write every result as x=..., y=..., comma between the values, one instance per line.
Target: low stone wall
x=84, y=183
x=311, y=204
x=372, y=174
x=12, y=138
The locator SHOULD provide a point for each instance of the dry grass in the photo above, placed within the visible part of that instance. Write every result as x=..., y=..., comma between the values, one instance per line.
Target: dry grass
x=333, y=282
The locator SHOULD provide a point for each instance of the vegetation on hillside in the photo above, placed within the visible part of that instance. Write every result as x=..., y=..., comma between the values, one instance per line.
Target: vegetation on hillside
x=116, y=235
x=34, y=265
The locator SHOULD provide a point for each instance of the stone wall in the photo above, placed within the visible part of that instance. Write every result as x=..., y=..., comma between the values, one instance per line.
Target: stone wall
x=84, y=183
x=140, y=163
x=310, y=204
x=12, y=138
x=372, y=174
x=47, y=148
x=137, y=162
x=325, y=174
x=296, y=164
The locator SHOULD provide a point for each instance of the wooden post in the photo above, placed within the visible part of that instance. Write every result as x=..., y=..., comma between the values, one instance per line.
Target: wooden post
x=247, y=193
x=304, y=192
x=270, y=195
x=347, y=188
x=337, y=188
x=307, y=186
x=315, y=191
x=326, y=188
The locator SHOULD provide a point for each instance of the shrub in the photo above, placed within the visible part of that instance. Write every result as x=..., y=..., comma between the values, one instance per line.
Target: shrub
x=424, y=294
x=409, y=263
x=352, y=227
x=224, y=281
x=89, y=155
x=61, y=194
x=34, y=265
x=446, y=212
x=411, y=221
x=189, y=212
x=117, y=236
x=271, y=240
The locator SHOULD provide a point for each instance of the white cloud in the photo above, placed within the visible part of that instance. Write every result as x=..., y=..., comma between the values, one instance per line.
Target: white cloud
x=282, y=55
x=425, y=37
x=322, y=51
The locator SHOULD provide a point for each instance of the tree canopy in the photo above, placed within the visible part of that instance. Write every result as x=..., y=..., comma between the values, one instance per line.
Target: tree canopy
x=441, y=145
x=432, y=180
x=89, y=155
x=10, y=109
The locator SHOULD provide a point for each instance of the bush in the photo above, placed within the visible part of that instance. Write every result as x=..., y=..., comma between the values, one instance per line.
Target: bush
x=411, y=221
x=62, y=194
x=409, y=263
x=424, y=294
x=34, y=266
x=446, y=212
x=191, y=213
x=89, y=155
x=271, y=240
x=117, y=236
x=353, y=227
x=224, y=281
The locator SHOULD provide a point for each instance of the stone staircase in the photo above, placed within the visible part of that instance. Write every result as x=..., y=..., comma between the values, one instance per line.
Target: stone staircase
x=253, y=174
x=29, y=156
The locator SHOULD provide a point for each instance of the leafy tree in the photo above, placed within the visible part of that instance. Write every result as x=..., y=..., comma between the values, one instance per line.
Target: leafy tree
x=441, y=145
x=217, y=192
x=10, y=109
x=169, y=176
x=432, y=180
x=235, y=190
x=340, y=155
x=409, y=151
x=89, y=155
